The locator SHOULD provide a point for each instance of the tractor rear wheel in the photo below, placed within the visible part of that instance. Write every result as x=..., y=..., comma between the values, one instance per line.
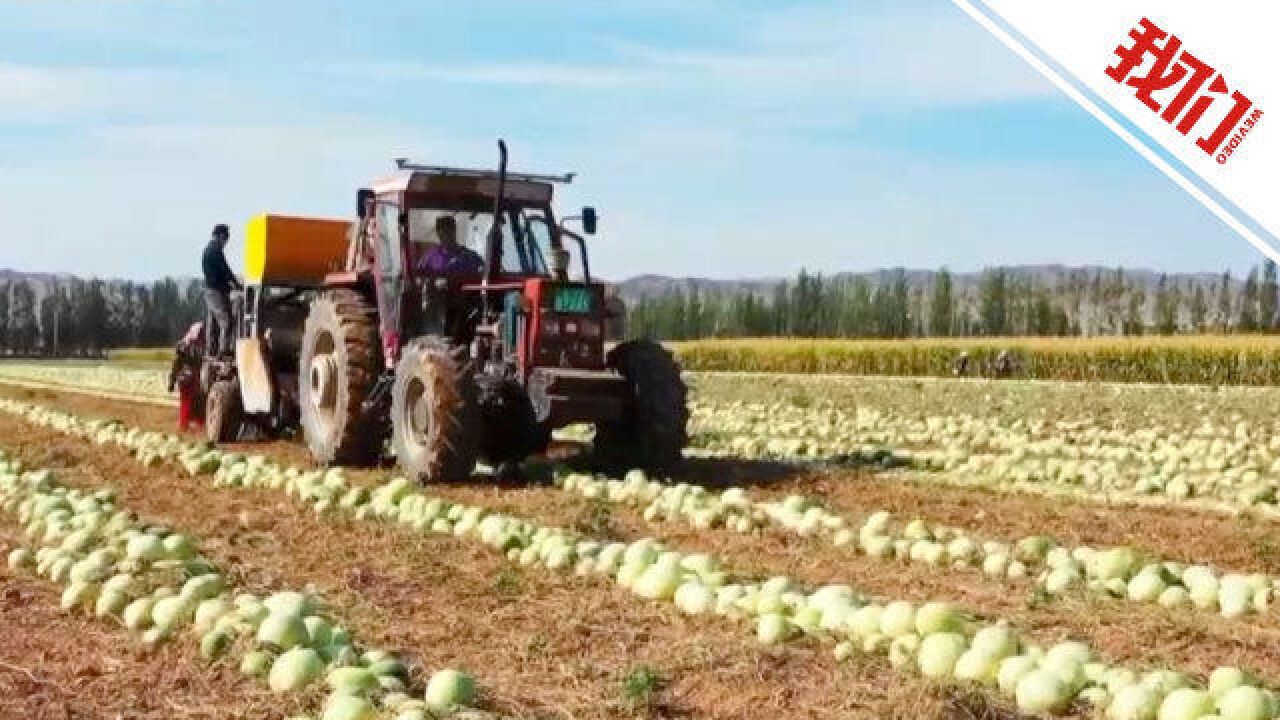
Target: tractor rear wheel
x=224, y=415
x=511, y=431
x=653, y=430
x=435, y=426
x=337, y=367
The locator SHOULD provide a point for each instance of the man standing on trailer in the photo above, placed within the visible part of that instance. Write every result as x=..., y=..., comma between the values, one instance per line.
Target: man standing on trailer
x=219, y=281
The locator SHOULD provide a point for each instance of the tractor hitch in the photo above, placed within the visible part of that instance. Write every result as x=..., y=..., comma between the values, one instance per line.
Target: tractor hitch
x=379, y=393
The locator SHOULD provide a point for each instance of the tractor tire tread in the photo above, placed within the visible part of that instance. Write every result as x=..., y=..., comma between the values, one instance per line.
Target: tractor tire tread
x=654, y=431
x=356, y=437
x=510, y=424
x=452, y=443
x=223, y=414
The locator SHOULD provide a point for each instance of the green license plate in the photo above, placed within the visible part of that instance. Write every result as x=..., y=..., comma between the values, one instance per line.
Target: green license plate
x=572, y=300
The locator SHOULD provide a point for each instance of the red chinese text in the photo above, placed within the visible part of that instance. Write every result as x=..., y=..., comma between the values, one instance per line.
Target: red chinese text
x=1194, y=84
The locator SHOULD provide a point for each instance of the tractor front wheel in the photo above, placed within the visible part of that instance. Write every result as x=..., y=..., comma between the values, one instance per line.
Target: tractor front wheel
x=435, y=426
x=653, y=430
x=337, y=367
x=224, y=415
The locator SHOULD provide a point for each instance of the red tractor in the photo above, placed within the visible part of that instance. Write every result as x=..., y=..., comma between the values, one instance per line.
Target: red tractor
x=482, y=361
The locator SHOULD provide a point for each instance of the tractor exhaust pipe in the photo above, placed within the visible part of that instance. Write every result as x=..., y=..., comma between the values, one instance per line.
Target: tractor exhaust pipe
x=494, y=241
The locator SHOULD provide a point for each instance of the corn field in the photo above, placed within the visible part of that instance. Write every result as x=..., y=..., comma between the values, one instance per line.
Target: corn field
x=1201, y=359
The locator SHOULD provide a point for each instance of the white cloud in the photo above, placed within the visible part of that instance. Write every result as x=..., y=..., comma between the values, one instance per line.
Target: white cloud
x=911, y=55
x=101, y=94
x=148, y=194
x=593, y=76
x=924, y=56
x=33, y=91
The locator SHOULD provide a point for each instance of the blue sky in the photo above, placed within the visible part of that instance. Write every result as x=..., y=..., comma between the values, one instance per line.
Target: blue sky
x=716, y=138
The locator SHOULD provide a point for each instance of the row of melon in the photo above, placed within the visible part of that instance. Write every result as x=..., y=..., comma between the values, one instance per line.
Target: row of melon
x=1219, y=465
x=154, y=582
x=141, y=382
x=1057, y=568
x=1212, y=466
x=934, y=639
x=1121, y=420
x=931, y=638
x=1205, y=446
x=783, y=432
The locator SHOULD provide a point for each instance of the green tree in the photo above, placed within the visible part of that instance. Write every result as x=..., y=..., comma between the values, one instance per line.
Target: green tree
x=24, y=326
x=1198, y=309
x=807, y=307
x=1267, y=296
x=941, y=306
x=1117, y=308
x=1041, y=313
x=781, y=311
x=49, y=330
x=91, y=309
x=993, y=307
x=1166, y=307
x=857, y=309
x=5, y=341
x=899, y=304
x=1249, y=303
x=1223, y=319
x=1133, y=322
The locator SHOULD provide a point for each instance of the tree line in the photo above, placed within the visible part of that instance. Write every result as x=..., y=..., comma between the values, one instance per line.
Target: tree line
x=73, y=317
x=1000, y=301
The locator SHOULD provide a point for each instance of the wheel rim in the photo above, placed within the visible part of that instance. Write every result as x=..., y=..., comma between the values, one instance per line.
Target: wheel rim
x=322, y=377
x=417, y=414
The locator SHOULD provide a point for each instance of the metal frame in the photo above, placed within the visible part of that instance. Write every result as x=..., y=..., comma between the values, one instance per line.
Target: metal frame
x=406, y=164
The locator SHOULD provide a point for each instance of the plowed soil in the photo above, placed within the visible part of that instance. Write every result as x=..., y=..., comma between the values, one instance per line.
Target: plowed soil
x=542, y=645
x=555, y=646
x=57, y=666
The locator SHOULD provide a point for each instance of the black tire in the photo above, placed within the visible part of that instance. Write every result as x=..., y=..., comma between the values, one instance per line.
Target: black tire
x=435, y=424
x=224, y=414
x=510, y=429
x=653, y=431
x=337, y=366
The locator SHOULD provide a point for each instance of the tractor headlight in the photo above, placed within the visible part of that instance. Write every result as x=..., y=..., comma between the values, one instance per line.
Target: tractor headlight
x=589, y=328
x=570, y=327
x=550, y=327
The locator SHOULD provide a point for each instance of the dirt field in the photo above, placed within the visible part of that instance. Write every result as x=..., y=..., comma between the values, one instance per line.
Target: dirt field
x=548, y=645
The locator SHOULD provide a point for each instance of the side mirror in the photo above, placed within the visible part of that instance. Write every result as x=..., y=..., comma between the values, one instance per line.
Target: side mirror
x=363, y=197
x=589, y=220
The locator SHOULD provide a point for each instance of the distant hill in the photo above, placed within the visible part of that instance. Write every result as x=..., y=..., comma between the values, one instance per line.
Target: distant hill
x=42, y=278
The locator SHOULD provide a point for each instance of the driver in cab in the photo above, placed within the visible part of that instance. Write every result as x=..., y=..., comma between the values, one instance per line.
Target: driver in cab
x=449, y=258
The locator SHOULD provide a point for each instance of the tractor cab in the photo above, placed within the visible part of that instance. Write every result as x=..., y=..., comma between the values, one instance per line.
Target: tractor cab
x=517, y=264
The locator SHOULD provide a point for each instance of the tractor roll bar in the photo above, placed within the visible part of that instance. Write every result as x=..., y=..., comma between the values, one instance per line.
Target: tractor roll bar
x=406, y=164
